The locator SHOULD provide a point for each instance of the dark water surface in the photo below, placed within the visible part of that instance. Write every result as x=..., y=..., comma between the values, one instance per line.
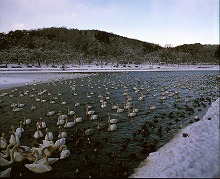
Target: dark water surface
x=134, y=137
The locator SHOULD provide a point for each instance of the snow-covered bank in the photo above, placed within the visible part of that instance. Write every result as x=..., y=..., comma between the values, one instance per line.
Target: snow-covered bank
x=17, y=79
x=107, y=68
x=187, y=157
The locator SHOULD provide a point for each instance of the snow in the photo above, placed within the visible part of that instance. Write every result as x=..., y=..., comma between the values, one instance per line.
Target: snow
x=193, y=156
x=187, y=157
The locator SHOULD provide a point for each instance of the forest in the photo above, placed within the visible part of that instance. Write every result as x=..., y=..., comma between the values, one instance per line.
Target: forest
x=59, y=45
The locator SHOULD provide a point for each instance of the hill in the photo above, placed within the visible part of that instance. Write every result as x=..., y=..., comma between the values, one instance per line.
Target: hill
x=72, y=46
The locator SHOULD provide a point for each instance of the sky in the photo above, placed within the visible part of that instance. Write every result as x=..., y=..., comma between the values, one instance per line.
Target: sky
x=174, y=22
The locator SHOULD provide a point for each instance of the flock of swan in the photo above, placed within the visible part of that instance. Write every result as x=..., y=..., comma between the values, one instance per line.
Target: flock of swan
x=40, y=158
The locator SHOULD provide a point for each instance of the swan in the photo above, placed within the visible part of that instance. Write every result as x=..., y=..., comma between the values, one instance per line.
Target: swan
x=114, y=106
x=14, y=139
x=19, y=104
x=131, y=114
x=7, y=152
x=50, y=113
x=135, y=109
x=26, y=121
x=89, y=132
x=112, y=121
x=42, y=125
x=18, y=156
x=77, y=119
x=3, y=142
x=38, y=134
x=64, y=152
x=5, y=173
x=33, y=107
x=62, y=116
x=94, y=117
x=4, y=162
x=15, y=109
x=119, y=110
x=63, y=102
x=62, y=134
x=40, y=167
x=69, y=124
x=100, y=125
x=103, y=105
x=59, y=143
x=77, y=104
x=89, y=112
x=43, y=160
x=111, y=127
x=49, y=135
x=70, y=113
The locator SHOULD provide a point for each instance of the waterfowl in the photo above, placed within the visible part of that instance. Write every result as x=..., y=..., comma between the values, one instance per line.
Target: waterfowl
x=112, y=121
x=38, y=134
x=42, y=124
x=14, y=139
x=50, y=113
x=4, y=162
x=152, y=107
x=26, y=121
x=69, y=124
x=40, y=167
x=131, y=114
x=111, y=127
x=77, y=119
x=3, y=142
x=119, y=110
x=100, y=125
x=62, y=134
x=70, y=113
x=89, y=132
x=5, y=173
x=49, y=135
x=64, y=152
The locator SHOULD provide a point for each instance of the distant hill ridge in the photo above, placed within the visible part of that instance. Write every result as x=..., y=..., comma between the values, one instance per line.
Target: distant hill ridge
x=72, y=46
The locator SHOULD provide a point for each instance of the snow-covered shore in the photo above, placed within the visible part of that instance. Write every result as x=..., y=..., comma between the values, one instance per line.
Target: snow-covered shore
x=196, y=156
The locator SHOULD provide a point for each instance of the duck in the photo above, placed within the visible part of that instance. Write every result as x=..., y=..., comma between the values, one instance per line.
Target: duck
x=38, y=134
x=49, y=135
x=64, y=152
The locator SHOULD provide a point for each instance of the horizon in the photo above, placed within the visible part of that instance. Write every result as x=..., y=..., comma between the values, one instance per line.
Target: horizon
x=153, y=21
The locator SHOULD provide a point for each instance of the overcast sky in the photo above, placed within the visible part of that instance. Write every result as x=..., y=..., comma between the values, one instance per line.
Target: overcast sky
x=162, y=22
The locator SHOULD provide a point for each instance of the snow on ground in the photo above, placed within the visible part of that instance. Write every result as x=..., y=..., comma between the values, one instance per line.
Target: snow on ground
x=196, y=156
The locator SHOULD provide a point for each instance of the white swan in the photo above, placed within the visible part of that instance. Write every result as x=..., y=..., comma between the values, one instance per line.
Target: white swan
x=50, y=113
x=131, y=114
x=14, y=139
x=89, y=112
x=33, y=107
x=4, y=162
x=38, y=134
x=69, y=124
x=112, y=121
x=114, y=106
x=42, y=125
x=3, y=141
x=40, y=167
x=18, y=156
x=63, y=102
x=62, y=134
x=64, y=152
x=15, y=109
x=62, y=116
x=59, y=143
x=69, y=112
x=5, y=173
x=94, y=117
x=6, y=153
x=111, y=127
x=49, y=135
x=77, y=119
x=26, y=121
x=119, y=110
